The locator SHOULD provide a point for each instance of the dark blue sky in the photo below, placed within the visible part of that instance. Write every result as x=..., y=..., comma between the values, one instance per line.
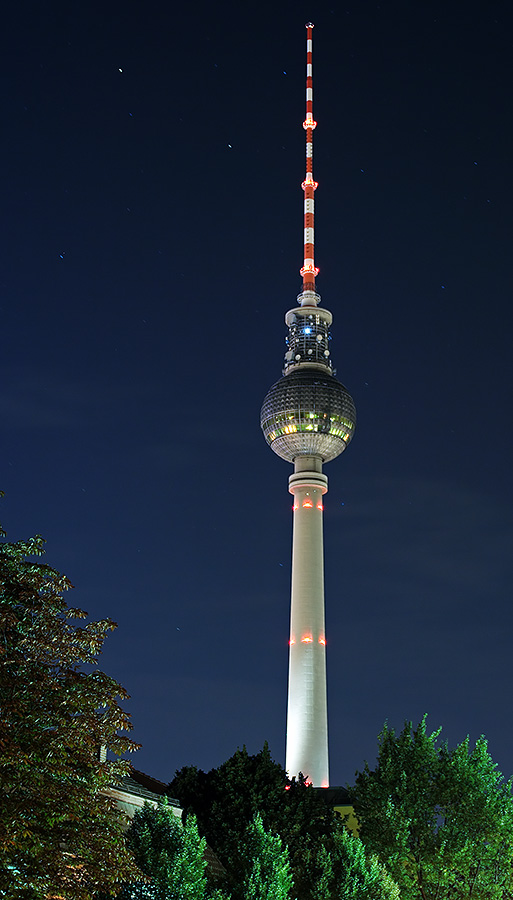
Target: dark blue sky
x=151, y=246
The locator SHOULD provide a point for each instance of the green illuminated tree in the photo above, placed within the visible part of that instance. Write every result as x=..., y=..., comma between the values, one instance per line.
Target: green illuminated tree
x=172, y=857
x=225, y=801
x=440, y=820
x=346, y=872
x=270, y=877
x=59, y=835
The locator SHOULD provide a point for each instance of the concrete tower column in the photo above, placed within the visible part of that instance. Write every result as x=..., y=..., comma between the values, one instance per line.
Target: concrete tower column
x=307, y=716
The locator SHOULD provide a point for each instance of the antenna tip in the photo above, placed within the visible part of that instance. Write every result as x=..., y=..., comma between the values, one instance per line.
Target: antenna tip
x=309, y=25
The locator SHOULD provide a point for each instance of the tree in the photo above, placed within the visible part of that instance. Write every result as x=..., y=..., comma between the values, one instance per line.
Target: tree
x=59, y=835
x=441, y=820
x=171, y=855
x=226, y=800
x=270, y=877
x=347, y=873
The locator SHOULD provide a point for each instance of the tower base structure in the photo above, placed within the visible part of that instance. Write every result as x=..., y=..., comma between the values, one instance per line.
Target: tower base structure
x=307, y=715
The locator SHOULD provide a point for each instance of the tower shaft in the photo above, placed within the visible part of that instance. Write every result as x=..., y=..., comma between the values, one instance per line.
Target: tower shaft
x=307, y=715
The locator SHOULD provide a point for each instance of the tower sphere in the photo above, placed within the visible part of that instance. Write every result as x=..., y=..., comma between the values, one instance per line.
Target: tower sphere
x=308, y=413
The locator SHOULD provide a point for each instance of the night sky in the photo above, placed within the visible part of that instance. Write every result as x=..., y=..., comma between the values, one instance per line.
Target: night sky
x=152, y=157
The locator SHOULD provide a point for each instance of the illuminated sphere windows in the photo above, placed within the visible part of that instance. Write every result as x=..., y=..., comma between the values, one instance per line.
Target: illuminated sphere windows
x=308, y=413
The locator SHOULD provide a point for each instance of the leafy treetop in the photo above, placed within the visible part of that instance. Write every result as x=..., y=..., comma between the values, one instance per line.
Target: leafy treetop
x=226, y=800
x=58, y=833
x=441, y=820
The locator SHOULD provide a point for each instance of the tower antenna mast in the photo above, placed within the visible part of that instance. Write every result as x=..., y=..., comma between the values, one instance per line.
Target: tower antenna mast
x=309, y=270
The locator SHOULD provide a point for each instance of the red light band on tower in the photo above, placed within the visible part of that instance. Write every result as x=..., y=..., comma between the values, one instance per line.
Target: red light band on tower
x=308, y=270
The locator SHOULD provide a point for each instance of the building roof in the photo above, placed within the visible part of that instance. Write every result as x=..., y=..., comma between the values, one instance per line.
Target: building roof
x=142, y=785
x=334, y=796
x=138, y=784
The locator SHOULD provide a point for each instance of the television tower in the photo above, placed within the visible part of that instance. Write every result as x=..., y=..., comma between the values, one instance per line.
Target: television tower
x=308, y=418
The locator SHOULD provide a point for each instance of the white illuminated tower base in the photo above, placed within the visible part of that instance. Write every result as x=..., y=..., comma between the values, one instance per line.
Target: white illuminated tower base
x=307, y=714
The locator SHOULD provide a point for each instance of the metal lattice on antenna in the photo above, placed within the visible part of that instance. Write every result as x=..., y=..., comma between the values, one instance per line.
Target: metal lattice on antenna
x=309, y=270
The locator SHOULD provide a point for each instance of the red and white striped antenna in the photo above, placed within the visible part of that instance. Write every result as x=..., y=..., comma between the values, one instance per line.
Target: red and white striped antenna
x=309, y=270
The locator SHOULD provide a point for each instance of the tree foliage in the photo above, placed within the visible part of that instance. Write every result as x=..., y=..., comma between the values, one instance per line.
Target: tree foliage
x=346, y=872
x=172, y=857
x=441, y=820
x=59, y=835
x=226, y=800
x=269, y=877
